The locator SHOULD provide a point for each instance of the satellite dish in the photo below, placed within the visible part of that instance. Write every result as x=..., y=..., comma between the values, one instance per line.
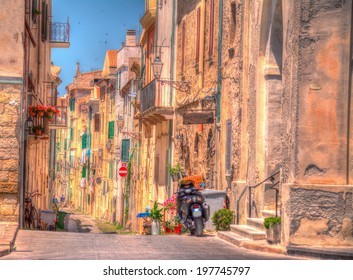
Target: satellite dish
x=98, y=180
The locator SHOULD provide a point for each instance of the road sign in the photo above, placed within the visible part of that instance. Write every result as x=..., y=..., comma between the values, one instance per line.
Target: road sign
x=123, y=164
x=122, y=171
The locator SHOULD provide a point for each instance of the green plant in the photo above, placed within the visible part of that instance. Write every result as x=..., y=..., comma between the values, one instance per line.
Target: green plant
x=176, y=220
x=270, y=221
x=175, y=170
x=169, y=225
x=38, y=127
x=222, y=219
x=156, y=214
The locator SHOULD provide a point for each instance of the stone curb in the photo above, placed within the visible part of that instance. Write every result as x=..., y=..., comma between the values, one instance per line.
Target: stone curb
x=7, y=247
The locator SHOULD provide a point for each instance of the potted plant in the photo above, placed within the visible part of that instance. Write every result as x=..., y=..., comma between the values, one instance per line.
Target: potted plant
x=50, y=111
x=168, y=227
x=177, y=225
x=222, y=219
x=156, y=216
x=40, y=109
x=273, y=229
x=32, y=111
x=38, y=130
x=175, y=171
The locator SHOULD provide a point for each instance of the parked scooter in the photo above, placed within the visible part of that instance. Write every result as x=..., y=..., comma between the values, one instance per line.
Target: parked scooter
x=192, y=209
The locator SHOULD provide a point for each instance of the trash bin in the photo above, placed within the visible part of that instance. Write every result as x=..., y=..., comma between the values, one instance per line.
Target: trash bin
x=61, y=219
x=216, y=200
x=48, y=218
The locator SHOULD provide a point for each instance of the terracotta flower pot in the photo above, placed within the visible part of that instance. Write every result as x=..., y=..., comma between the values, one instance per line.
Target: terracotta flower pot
x=40, y=113
x=177, y=229
x=38, y=132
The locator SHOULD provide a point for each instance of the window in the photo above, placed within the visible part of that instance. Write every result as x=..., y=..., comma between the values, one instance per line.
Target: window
x=35, y=11
x=211, y=35
x=71, y=134
x=125, y=147
x=111, y=130
x=110, y=170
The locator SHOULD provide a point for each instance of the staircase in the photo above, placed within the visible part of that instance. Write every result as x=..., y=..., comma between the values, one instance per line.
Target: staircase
x=252, y=235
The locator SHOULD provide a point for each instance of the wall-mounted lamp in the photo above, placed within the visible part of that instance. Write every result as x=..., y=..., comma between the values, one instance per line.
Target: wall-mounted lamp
x=29, y=123
x=157, y=66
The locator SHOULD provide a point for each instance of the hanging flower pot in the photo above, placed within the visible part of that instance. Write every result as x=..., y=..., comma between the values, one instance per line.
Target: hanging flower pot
x=32, y=111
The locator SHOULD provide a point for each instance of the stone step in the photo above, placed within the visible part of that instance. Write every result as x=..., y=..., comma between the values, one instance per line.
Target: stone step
x=258, y=245
x=257, y=223
x=248, y=232
x=268, y=213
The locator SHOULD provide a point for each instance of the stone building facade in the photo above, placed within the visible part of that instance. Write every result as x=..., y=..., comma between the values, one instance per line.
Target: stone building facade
x=287, y=82
x=27, y=78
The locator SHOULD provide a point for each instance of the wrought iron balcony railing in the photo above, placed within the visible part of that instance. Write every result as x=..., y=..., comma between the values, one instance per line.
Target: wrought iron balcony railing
x=60, y=32
x=60, y=120
x=148, y=96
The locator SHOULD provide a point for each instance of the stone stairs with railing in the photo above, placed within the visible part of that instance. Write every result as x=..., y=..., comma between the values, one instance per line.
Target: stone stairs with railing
x=252, y=235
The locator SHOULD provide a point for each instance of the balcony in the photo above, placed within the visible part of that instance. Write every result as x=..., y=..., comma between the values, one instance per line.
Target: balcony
x=153, y=105
x=150, y=14
x=60, y=34
x=59, y=121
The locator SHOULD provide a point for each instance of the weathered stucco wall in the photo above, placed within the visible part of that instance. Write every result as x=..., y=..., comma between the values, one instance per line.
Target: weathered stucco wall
x=318, y=216
x=324, y=92
x=11, y=26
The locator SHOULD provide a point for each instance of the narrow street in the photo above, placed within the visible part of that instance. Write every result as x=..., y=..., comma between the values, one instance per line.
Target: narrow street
x=90, y=244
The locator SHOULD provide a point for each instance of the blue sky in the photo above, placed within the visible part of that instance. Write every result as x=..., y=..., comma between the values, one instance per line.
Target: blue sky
x=95, y=26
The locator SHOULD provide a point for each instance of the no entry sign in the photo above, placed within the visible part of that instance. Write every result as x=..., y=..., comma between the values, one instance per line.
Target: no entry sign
x=122, y=171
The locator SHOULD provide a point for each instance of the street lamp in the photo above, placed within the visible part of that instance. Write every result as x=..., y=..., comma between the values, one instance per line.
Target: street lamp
x=157, y=66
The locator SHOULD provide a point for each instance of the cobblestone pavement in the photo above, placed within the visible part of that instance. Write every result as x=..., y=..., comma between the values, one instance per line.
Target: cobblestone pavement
x=86, y=243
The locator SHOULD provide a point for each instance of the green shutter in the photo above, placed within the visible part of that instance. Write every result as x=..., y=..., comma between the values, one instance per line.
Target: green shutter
x=84, y=172
x=65, y=145
x=72, y=104
x=111, y=130
x=71, y=133
x=84, y=141
x=125, y=150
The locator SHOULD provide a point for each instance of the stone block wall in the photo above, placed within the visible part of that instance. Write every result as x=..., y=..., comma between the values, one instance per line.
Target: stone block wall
x=9, y=152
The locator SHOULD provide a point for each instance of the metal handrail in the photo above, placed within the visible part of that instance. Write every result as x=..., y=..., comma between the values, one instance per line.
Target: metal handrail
x=258, y=184
x=248, y=188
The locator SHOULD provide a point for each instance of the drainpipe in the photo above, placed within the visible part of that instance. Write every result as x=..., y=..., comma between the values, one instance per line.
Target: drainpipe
x=219, y=88
x=202, y=42
x=23, y=142
x=170, y=122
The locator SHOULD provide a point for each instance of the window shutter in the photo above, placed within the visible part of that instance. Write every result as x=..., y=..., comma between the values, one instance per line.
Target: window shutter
x=72, y=104
x=183, y=47
x=125, y=150
x=111, y=130
x=84, y=141
x=44, y=21
x=110, y=170
x=84, y=172
x=211, y=35
x=65, y=145
x=96, y=123
x=71, y=133
x=198, y=35
x=228, y=144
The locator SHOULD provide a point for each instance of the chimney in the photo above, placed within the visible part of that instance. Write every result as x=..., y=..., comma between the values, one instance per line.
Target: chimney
x=131, y=38
x=78, y=68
